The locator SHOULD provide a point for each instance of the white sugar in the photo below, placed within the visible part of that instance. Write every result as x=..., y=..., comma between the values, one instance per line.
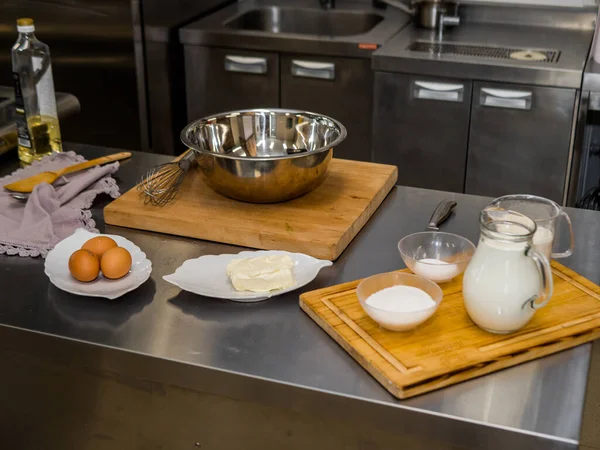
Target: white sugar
x=436, y=269
x=401, y=299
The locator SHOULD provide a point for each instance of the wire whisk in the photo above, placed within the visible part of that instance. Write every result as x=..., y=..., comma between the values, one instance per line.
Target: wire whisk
x=160, y=184
x=591, y=200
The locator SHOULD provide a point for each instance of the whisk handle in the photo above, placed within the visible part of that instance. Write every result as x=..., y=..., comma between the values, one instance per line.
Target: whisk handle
x=185, y=160
x=187, y=155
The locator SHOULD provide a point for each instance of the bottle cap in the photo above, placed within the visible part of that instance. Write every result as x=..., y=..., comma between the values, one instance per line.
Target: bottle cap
x=25, y=25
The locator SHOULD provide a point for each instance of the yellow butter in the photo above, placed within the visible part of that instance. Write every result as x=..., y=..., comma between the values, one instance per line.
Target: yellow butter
x=261, y=274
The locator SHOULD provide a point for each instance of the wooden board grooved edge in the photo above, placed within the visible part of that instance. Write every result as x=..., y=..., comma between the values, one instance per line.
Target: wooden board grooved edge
x=538, y=333
x=449, y=348
x=321, y=223
x=576, y=284
x=378, y=348
x=499, y=364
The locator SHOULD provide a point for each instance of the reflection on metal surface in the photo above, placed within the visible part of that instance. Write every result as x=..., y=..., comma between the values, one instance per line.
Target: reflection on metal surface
x=280, y=354
x=482, y=51
x=297, y=26
x=500, y=400
x=315, y=22
x=264, y=134
x=262, y=155
x=97, y=317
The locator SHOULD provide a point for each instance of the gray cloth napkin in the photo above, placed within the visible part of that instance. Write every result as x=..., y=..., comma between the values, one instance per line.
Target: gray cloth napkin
x=55, y=211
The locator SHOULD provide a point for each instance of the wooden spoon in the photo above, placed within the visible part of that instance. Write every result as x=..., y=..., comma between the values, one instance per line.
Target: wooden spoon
x=26, y=185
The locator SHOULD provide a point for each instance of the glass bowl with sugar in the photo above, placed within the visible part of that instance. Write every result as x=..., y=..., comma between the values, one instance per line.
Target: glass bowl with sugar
x=436, y=255
x=399, y=301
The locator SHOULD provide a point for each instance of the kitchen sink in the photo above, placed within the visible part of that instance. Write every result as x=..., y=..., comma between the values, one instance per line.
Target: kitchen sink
x=308, y=21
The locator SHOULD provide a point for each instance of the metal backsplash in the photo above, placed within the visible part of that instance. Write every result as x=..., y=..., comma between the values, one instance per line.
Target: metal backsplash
x=545, y=16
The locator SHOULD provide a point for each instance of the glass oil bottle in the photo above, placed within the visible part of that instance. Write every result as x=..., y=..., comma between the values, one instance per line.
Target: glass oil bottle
x=35, y=101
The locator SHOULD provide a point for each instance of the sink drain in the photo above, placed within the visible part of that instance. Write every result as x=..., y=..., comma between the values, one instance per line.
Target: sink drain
x=528, y=55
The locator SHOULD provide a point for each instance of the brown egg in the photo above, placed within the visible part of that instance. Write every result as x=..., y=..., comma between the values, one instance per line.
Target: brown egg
x=115, y=263
x=84, y=266
x=99, y=245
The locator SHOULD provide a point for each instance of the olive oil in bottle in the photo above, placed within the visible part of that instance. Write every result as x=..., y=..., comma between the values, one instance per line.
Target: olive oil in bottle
x=35, y=101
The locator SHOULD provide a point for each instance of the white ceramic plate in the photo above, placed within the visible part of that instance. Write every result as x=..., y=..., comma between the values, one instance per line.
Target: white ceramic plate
x=56, y=267
x=207, y=275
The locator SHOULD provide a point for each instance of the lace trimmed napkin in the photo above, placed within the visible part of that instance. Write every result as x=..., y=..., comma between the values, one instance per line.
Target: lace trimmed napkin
x=55, y=211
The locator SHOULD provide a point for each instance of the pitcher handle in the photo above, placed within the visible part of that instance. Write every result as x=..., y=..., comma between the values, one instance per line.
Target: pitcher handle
x=543, y=265
x=569, y=251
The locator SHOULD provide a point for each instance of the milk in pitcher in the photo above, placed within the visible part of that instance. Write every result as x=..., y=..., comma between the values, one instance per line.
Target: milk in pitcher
x=545, y=213
x=507, y=279
x=543, y=239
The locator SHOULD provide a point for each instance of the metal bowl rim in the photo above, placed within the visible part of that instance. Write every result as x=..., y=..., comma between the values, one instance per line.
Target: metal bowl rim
x=337, y=141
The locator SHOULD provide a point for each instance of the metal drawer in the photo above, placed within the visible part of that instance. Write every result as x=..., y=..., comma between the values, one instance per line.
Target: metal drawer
x=421, y=125
x=220, y=80
x=519, y=140
x=338, y=87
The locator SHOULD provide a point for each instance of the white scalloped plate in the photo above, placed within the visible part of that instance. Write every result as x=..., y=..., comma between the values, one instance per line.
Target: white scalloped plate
x=56, y=267
x=207, y=275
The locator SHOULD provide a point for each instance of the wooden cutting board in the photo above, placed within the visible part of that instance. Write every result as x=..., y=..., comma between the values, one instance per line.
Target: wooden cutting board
x=321, y=223
x=449, y=348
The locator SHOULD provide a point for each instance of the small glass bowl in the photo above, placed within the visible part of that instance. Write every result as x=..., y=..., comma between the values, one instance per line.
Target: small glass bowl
x=393, y=320
x=433, y=247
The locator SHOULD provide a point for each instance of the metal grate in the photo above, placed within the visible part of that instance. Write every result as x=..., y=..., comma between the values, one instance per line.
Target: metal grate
x=480, y=51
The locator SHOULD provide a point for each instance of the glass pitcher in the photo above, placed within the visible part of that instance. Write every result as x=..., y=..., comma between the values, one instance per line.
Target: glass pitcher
x=508, y=279
x=545, y=213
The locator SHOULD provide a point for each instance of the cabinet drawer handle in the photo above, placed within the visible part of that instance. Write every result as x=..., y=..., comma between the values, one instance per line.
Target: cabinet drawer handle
x=445, y=92
x=245, y=64
x=313, y=69
x=504, y=98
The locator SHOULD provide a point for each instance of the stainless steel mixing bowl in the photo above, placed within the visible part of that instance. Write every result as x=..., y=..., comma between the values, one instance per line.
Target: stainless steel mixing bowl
x=264, y=155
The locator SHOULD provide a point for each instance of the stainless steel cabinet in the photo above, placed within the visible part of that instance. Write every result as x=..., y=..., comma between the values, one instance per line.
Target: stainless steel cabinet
x=519, y=140
x=338, y=87
x=163, y=109
x=421, y=125
x=220, y=80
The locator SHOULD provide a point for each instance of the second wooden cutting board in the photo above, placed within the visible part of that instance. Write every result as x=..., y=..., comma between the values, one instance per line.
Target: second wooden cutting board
x=321, y=223
x=449, y=347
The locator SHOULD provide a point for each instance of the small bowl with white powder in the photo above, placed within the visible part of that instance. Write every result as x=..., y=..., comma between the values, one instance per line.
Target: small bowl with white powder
x=435, y=255
x=399, y=301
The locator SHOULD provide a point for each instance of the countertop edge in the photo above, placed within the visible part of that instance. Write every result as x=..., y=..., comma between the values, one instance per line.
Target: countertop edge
x=131, y=367
x=590, y=428
x=559, y=78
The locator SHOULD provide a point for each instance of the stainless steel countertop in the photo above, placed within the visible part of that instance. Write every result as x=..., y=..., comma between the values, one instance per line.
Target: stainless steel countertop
x=567, y=72
x=210, y=30
x=272, y=352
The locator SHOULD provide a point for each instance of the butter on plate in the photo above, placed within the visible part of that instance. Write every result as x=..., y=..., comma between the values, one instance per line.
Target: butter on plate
x=261, y=274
